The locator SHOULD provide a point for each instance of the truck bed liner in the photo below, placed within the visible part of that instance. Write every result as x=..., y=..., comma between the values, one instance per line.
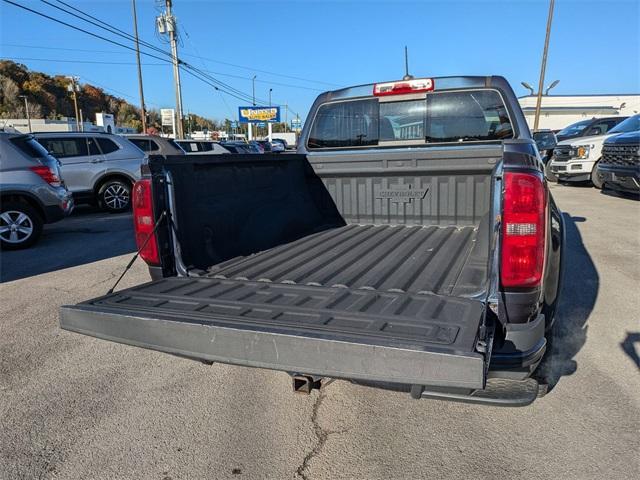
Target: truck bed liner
x=400, y=258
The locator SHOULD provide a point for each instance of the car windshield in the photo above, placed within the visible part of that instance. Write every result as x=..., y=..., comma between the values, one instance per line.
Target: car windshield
x=631, y=124
x=575, y=128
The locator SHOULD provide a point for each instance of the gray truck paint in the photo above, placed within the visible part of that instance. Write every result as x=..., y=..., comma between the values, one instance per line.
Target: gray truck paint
x=377, y=265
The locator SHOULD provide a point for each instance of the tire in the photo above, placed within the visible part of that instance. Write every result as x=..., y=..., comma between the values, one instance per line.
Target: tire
x=20, y=225
x=551, y=177
x=596, y=181
x=114, y=195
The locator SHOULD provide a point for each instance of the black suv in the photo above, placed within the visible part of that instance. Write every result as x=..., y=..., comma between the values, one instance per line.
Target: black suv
x=619, y=168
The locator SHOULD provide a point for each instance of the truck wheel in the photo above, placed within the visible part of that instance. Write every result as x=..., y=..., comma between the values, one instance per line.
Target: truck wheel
x=114, y=195
x=20, y=225
x=549, y=174
x=596, y=181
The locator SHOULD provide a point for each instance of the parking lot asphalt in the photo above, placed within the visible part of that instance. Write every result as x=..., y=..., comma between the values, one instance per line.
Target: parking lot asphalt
x=76, y=407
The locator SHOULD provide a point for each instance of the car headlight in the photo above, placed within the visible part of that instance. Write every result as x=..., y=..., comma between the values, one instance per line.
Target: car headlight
x=581, y=151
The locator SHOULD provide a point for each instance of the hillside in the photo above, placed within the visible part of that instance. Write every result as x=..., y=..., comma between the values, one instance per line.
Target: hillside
x=49, y=98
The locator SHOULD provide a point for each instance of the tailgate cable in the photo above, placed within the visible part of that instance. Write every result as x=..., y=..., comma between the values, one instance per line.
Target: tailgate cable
x=163, y=215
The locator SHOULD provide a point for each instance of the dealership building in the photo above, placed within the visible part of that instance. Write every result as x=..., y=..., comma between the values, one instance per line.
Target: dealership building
x=558, y=111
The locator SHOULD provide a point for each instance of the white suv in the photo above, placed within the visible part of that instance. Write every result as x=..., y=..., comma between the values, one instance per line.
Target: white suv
x=96, y=167
x=575, y=160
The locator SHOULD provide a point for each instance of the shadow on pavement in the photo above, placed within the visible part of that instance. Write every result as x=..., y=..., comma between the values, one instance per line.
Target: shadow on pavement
x=580, y=286
x=620, y=194
x=629, y=347
x=88, y=235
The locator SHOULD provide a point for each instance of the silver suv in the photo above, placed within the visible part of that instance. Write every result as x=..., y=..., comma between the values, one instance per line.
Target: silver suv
x=31, y=191
x=97, y=168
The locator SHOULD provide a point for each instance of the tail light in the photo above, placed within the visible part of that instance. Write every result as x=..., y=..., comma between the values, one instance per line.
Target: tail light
x=415, y=85
x=143, y=222
x=523, y=230
x=47, y=174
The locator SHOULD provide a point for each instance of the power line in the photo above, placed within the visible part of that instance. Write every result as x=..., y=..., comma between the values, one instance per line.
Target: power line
x=114, y=30
x=82, y=61
x=74, y=27
x=265, y=82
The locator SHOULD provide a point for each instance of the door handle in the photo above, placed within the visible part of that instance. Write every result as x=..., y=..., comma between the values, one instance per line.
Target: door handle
x=96, y=160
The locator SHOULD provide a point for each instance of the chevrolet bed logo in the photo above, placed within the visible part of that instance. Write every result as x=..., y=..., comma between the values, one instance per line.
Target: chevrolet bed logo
x=402, y=194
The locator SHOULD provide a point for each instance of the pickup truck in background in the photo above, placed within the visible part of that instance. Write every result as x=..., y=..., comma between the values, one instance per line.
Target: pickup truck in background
x=576, y=160
x=411, y=244
x=619, y=168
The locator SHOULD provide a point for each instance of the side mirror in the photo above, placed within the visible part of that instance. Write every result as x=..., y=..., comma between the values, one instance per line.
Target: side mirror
x=545, y=140
x=595, y=131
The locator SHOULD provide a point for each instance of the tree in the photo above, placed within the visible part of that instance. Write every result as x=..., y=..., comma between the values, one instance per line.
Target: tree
x=9, y=99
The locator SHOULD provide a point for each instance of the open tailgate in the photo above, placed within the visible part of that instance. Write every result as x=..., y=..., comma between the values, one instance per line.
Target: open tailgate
x=362, y=334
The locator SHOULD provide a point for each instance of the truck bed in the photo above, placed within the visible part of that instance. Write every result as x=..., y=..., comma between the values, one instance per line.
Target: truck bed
x=316, y=267
x=385, y=258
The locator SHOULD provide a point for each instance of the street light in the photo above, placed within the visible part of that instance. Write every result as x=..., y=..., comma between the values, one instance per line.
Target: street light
x=528, y=87
x=253, y=82
x=553, y=84
x=26, y=109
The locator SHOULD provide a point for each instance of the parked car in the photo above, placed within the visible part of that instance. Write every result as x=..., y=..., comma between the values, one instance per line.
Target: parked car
x=257, y=145
x=32, y=192
x=241, y=147
x=281, y=141
x=266, y=146
x=589, y=128
x=619, y=168
x=155, y=145
x=277, y=146
x=411, y=244
x=97, y=168
x=575, y=160
x=197, y=147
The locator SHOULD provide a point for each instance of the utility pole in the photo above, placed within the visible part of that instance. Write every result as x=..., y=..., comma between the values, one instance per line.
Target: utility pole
x=286, y=111
x=270, y=124
x=26, y=109
x=543, y=67
x=73, y=87
x=143, y=110
x=167, y=24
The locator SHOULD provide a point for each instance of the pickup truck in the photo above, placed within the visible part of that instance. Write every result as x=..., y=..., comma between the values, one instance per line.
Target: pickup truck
x=410, y=244
x=577, y=159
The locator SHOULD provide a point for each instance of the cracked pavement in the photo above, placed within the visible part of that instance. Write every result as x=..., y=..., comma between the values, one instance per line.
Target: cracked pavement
x=74, y=407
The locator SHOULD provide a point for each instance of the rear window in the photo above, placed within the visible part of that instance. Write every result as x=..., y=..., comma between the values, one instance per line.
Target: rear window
x=174, y=144
x=146, y=145
x=189, y=146
x=29, y=146
x=443, y=117
x=106, y=145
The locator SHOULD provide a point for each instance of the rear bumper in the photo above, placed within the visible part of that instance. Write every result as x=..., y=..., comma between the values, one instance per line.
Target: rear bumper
x=63, y=208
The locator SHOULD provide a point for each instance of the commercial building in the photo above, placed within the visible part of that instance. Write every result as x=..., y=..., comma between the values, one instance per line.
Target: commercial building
x=558, y=111
x=64, y=124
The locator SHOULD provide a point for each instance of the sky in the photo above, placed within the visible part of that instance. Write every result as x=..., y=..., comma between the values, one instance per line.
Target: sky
x=301, y=48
